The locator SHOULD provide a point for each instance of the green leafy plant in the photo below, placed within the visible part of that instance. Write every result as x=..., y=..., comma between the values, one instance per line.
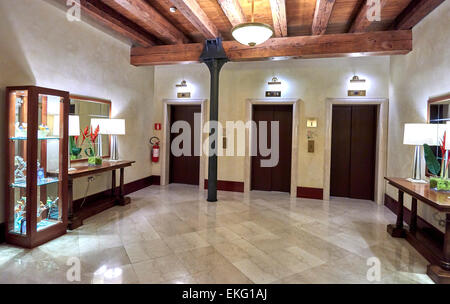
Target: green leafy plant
x=74, y=149
x=432, y=163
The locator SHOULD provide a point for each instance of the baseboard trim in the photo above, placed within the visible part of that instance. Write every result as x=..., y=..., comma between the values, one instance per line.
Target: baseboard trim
x=228, y=186
x=138, y=184
x=156, y=180
x=127, y=189
x=2, y=232
x=311, y=193
x=391, y=204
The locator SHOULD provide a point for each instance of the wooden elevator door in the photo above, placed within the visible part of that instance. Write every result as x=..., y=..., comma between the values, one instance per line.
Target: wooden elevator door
x=184, y=169
x=353, y=146
x=277, y=178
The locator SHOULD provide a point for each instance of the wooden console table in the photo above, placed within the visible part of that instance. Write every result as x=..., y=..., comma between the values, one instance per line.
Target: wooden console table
x=103, y=200
x=435, y=249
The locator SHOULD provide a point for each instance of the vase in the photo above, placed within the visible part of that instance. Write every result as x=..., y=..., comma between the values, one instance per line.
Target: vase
x=440, y=184
x=95, y=161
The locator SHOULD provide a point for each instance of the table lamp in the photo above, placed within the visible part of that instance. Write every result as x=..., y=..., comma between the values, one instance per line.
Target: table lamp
x=74, y=130
x=111, y=127
x=417, y=134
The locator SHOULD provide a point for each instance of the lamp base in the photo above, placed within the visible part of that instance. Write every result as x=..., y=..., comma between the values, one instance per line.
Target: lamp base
x=417, y=181
x=114, y=156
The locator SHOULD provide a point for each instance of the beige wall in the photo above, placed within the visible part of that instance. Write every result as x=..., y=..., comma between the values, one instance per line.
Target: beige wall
x=39, y=46
x=312, y=81
x=422, y=74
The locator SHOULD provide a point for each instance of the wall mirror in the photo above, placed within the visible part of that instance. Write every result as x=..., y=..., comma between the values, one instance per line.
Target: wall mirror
x=439, y=113
x=87, y=108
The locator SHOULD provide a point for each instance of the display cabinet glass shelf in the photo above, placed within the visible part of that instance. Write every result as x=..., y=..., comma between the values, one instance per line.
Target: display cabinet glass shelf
x=37, y=164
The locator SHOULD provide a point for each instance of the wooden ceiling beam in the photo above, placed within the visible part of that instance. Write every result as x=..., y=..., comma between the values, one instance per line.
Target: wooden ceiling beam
x=334, y=45
x=233, y=11
x=322, y=15
x=194, y=13
x=362, y=21
x=279, y=17
x=100, y=12
x=149, y=18
x=414, y=13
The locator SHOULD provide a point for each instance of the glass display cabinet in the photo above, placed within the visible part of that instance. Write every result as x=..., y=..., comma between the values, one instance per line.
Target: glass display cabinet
x=37, y=164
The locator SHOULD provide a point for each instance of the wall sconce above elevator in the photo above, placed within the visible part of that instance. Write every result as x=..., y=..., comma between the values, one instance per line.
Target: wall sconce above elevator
x=357, y=87
x=182, y=84
x=183, y=90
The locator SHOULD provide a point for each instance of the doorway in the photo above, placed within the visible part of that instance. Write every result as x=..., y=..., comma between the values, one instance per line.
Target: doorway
x=353, y=151
x=184, y=169
x=276, y=178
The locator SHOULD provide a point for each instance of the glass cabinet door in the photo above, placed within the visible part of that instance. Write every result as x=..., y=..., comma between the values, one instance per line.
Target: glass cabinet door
x=18, y=112
x=48, y=161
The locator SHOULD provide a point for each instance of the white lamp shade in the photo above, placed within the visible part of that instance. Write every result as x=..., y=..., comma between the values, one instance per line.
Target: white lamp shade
x=252, y=33
x=74, y=125
x=109, y=126
x=417, y=134
x=102, y=123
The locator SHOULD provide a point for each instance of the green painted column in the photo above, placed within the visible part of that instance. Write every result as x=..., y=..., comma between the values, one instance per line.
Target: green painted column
x=214, y=57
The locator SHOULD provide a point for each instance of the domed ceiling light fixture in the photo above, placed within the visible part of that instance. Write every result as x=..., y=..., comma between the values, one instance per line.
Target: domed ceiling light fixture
x=252, y=33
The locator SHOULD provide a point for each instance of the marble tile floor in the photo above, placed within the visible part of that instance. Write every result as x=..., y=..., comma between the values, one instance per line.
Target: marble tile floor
x=172, y=235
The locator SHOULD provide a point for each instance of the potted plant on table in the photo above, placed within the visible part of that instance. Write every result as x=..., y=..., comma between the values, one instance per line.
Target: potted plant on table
x=439, y=179
x=93, y=158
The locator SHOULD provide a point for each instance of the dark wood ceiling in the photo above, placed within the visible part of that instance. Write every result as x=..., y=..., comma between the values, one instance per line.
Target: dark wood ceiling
x=150, y=23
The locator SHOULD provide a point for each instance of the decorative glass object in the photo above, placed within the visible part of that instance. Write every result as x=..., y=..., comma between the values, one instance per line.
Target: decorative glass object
x=75, y=151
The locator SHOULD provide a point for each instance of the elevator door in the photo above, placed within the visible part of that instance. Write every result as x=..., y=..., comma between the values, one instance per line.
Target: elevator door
x=184, y=169
x=277, y=178
x=353, y=145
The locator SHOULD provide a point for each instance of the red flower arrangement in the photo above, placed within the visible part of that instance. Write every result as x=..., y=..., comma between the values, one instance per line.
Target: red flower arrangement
x=92, y=135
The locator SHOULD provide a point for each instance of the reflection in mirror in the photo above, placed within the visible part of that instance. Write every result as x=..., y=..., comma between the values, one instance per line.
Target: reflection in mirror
x=439, y=113
x=87, y=108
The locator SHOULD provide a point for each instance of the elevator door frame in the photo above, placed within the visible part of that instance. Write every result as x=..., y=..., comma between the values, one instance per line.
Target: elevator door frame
x=296, y=103
x=165, y=143
x=381, y=141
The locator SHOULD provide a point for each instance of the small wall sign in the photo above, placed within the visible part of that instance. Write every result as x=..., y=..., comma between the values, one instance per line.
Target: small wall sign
x=184, y=95
x=311, y=123
x=356, y=93
x=157, y=126
x=273, y=93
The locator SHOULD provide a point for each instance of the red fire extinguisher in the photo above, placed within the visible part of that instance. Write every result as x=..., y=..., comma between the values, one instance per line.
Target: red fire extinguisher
x=154, y=141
